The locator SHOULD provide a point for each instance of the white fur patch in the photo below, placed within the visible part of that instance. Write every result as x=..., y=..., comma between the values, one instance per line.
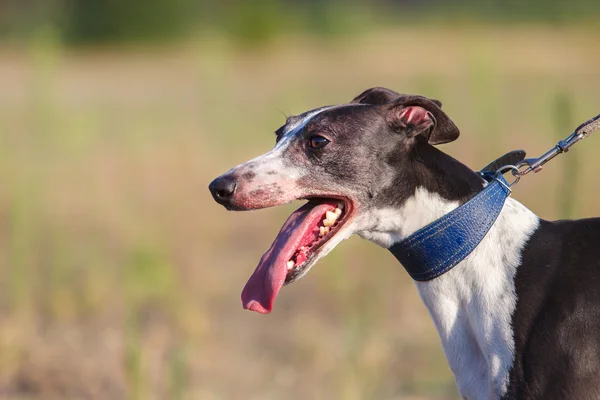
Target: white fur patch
x=273, y=161
x=295, y=128
x=388, y=226
x=472, y=304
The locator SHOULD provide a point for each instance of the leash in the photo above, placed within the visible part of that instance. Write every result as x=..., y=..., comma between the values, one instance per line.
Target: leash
x=528, y=165
x=438, y=247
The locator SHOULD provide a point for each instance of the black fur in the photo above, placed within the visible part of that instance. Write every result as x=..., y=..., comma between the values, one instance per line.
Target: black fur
x=557, y=319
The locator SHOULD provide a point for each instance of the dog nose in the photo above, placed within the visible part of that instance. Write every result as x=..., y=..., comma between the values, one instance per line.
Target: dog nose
x=223, y=189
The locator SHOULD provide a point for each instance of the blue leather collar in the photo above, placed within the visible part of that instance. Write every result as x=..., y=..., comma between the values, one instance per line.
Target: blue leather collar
x=434, y=249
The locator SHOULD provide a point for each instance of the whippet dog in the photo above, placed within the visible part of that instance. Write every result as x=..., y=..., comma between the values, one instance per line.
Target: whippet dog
x=518, y=317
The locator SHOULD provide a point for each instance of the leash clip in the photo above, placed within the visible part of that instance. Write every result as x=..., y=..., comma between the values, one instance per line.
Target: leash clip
x=535, y=164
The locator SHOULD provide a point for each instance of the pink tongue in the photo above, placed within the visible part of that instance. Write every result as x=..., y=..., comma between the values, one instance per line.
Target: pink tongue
x=268, y=278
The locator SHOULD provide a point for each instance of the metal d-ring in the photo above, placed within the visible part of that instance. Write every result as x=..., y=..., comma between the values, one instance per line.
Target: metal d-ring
x=515, y=171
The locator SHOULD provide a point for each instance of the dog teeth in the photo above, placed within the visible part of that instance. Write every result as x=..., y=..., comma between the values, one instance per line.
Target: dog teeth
x=338, y=211
x=290, y=264
x=330, y=215
x=323, y=230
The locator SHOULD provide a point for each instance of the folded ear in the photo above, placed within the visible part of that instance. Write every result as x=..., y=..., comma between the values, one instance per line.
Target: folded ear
x=381, y=95
x=418, y=115
x=377, y=95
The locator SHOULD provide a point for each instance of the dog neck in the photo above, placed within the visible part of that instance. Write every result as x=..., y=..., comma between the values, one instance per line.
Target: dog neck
x=439, y=184
x=472, y=304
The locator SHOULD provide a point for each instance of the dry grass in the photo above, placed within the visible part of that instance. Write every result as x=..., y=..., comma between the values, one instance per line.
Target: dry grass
x=120, y=278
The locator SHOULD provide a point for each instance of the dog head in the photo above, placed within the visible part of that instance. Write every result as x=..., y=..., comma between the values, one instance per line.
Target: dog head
x=346, y=161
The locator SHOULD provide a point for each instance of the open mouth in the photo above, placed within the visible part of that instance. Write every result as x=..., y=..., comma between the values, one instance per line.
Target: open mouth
x=298, y=245
x=316, y=236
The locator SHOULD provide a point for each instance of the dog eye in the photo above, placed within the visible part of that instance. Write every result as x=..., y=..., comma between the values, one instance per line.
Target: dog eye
x=317, y=142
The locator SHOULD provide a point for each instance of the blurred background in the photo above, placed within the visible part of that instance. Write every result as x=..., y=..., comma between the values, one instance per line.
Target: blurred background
x=120, y=277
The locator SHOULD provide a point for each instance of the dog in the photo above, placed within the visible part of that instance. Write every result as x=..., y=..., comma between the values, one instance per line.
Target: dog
x=518, y=318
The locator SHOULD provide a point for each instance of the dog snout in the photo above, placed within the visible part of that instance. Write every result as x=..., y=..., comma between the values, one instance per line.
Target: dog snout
x=223, y=189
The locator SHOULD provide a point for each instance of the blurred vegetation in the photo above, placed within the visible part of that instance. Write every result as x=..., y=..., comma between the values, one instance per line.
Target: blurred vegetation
x=258, y=21
x=120, y=277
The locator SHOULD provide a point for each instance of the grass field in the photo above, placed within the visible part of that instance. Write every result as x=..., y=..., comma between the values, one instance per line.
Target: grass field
x=119, y=276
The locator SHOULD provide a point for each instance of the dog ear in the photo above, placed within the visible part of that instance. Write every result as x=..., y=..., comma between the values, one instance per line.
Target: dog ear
x=381, y=95
x=377, y=96
x=418, y=115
